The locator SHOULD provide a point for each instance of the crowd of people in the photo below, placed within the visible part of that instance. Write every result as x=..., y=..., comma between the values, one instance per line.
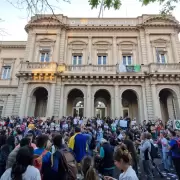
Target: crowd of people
x=89, y=149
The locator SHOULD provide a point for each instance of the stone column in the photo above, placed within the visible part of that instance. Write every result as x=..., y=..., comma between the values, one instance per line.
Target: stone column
x=117, y=110
x=144, y=102
x=148, y=48
x=51, y=100
x=115, y=60
x=61, y=110
x=90, y=50
x=174, y=48
x=31, y=54
x=120, y=106
x=92, y=105
x=23, y=100
x=88, y=101
x=156, y=103
x=65, y=50
x=140, y=110
x=65, y=106
x=139, y=52
x=56, y=57
x=112, y=107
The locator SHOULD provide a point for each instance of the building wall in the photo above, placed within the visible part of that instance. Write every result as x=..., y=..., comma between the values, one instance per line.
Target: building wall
x=140, y=37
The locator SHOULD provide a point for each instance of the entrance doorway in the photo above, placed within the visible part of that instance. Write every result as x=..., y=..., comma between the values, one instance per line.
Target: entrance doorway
x=130, y=104
x=78, y=110
x=102, y=104
x=125, y=112
x=75, y=103
x=38, y=104
x=168, y=105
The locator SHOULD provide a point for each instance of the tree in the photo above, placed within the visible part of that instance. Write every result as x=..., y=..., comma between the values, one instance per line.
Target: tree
x=42, y=6
x=167, y=5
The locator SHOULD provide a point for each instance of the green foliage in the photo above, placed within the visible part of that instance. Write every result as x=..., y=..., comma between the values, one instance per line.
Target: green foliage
x=116, y=4
x=167, y=5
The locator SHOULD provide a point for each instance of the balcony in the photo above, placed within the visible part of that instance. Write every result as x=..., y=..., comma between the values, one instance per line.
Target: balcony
x=93, y=69
x=38, y=67
x=164, y=68
x=101, y=69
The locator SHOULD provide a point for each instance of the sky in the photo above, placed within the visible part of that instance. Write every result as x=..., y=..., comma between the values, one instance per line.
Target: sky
x=13, y=20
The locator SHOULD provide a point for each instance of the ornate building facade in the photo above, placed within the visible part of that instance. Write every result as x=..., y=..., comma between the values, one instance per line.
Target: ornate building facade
x=93, y=67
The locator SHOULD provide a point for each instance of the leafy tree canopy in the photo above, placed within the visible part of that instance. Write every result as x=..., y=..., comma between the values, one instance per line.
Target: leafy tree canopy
x=167, y=5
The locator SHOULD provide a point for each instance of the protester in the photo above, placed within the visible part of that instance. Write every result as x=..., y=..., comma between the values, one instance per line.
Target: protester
x=122, y=159
x=23, y=169
x=12, y=156
x=174, y=148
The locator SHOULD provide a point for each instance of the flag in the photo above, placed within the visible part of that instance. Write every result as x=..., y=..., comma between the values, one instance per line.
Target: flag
x=137, y=68
x=122, y=68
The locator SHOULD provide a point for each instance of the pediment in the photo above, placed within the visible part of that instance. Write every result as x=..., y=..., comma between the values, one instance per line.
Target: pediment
x=102, y=43
x=160, y=20
x=77, y=43
x=46, y=20
x=45, y=40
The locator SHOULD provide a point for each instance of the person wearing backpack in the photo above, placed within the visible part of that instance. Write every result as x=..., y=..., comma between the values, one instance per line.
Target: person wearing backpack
x=63, y=162
x=174, y=147
x=145, y=149
x=42, y=156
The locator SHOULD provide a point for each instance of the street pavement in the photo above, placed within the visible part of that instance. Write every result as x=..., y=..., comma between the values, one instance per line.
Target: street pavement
x=167, y=176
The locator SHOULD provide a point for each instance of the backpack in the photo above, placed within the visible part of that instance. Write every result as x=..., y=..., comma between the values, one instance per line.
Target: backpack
x=93, y=143
x=38, y=160
x=154, y=152
x=69, y=164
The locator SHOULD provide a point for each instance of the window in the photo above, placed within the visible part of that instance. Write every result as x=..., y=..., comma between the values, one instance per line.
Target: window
x=127, y=60
x=1, y=110
x=77, y=60
x=45, y=54
x=6, y=72
x=160, y=55
x=161, y=58
x=102, y=60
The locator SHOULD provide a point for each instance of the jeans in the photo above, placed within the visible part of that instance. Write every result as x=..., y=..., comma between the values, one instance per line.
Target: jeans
x=147, y=165
x=166, y=161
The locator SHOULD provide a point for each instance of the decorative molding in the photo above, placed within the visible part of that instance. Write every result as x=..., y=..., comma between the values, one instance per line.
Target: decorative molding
x=68, y=89
x=172, y=88
x=135, y=89
x=33, y=87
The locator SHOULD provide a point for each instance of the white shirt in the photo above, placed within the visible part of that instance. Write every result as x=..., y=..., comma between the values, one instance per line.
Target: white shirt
x=31, y=173
x=130, y=174
x=75, y=121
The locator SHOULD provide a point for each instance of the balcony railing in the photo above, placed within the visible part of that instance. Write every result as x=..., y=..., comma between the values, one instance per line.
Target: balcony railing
x=164, y=68
x=37, y=67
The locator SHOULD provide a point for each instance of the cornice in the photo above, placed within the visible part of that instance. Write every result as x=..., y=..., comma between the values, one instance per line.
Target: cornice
x=52, y=25
x=12, y=46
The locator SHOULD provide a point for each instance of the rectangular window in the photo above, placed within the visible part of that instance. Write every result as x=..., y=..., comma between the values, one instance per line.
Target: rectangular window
x=161, y=55
x=6, y=72
x=1, y=110
x=45, y=56
x=162, y=58
x=102, y=60
x=127, y=60
x=77, y=60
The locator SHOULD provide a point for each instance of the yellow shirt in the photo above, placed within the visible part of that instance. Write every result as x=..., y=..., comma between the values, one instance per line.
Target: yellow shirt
x=31, y=126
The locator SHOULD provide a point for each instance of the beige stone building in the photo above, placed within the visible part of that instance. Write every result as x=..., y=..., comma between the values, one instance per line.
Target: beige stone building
x=93, y=67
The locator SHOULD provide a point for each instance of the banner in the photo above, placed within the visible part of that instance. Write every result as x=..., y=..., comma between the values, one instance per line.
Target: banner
x=123, y=123
x=177, y=124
